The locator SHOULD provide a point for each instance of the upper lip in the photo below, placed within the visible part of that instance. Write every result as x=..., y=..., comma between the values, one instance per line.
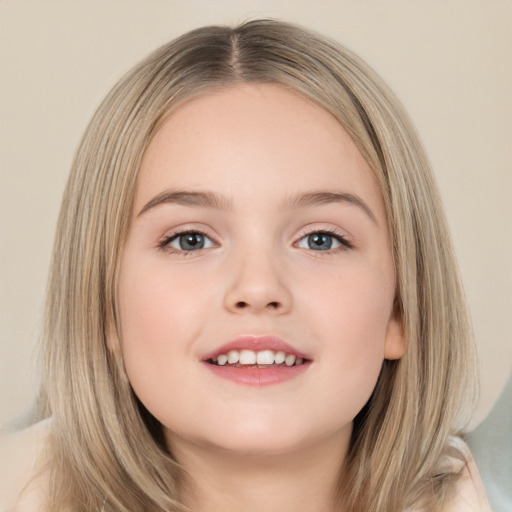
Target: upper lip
x=256, y=343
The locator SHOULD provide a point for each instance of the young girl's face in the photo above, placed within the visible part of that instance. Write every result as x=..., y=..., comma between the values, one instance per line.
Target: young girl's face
x=258, y=231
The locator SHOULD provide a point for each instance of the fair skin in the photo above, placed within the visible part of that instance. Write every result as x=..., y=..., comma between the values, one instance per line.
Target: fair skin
x=287, y=239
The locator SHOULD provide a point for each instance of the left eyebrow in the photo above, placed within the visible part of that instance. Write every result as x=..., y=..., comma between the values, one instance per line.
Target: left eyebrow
x=318, y=198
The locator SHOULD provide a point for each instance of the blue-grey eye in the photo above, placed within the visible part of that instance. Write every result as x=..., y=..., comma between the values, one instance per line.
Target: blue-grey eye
x=320, y=241
x=191, y=241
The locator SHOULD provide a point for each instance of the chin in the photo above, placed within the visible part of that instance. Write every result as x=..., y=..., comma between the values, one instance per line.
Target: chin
x=246, y=438
x=256, y=445
x=260, y=439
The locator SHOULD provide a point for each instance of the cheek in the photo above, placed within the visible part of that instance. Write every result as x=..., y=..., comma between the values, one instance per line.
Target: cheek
x=353, y=324
x=159, y=302
x=159, y=313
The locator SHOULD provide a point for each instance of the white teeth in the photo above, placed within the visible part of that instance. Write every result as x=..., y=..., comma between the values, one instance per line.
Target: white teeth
x=265, y=357
x=247, y=357
x=233, y=356
x=289, y=360
x=279, y=357
x=222, y=359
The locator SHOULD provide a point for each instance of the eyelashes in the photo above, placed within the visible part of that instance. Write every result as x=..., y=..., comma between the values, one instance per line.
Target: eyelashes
x=324, y=240
x=187, y=241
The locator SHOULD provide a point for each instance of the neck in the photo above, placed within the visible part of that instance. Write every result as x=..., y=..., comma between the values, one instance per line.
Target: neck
x=306, y=480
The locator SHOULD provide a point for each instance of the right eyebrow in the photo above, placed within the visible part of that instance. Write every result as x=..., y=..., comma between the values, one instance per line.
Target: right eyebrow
x=186, y=198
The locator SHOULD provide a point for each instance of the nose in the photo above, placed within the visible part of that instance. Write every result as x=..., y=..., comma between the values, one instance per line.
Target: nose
x=257, y=286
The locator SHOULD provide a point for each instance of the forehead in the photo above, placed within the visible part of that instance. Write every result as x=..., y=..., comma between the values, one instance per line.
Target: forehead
x=252, y=136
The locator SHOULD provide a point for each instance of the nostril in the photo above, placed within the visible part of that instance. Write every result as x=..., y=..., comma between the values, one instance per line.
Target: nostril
x=242, y=305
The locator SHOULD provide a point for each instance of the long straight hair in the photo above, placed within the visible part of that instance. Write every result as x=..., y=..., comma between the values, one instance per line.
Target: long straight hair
x=108, y=451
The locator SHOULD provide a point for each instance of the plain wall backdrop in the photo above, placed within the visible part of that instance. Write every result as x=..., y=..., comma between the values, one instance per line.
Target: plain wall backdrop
x=450, y=62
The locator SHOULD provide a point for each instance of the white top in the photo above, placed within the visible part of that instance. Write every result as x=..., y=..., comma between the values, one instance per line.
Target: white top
x=20, y=450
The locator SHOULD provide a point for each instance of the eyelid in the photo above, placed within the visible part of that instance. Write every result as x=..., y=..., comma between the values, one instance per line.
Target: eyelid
x=339, y=234
x=163, y=242
x=343, y=238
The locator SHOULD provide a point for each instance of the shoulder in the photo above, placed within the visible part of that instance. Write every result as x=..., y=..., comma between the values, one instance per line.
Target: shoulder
x=468, y=494
x=22, y=480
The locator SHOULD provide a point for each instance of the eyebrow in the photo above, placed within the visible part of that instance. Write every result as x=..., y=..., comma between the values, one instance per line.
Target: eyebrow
x=206, y=199
x=201, y=199
x=318, y=198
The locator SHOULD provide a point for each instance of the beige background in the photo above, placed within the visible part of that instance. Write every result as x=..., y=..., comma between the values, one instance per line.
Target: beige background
x=449, y=61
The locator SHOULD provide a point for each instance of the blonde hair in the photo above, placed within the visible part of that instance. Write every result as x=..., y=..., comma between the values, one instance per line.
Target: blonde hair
x=108, y=451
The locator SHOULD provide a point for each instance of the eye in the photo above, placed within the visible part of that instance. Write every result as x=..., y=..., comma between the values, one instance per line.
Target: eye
x=188, y=241
x=323, y=241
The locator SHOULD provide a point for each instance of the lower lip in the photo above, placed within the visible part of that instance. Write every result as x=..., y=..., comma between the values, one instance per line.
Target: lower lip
x=258, y=376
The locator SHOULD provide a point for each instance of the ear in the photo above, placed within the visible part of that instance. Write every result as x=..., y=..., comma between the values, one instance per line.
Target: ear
x=114, y=347
x=112, y=337
x=395, y=345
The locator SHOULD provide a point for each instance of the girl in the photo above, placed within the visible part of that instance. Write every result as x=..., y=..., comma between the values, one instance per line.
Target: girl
x=253, y=301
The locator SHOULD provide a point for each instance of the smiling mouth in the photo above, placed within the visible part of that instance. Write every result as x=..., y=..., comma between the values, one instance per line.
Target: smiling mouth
x=257, y=359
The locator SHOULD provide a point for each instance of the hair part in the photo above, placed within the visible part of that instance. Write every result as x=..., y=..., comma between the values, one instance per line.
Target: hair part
x=109, y=447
